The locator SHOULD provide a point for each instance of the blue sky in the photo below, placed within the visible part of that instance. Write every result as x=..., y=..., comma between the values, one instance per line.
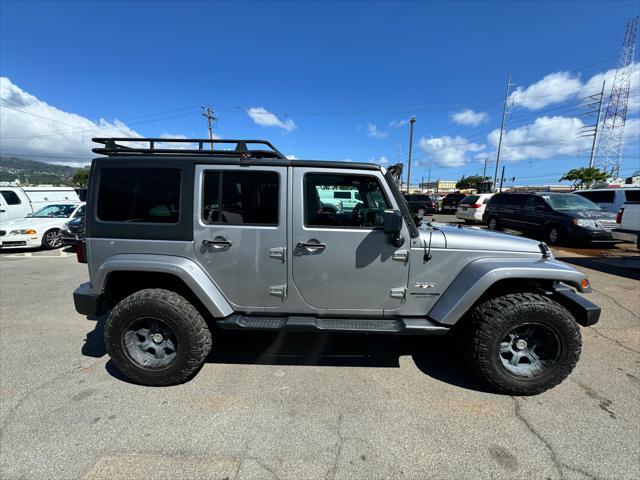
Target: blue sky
x=320, y=80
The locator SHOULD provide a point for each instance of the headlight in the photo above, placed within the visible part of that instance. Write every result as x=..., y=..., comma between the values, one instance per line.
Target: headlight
x=28, y=231
x=581, y=222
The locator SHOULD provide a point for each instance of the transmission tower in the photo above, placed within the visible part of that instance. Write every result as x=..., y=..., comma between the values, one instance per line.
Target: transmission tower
x=610, y=144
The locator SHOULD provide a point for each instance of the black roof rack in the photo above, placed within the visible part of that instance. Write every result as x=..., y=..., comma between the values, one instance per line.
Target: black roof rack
x=113, y=147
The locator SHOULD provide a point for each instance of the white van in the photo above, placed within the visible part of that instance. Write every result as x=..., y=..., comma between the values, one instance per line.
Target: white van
x=611, y=199
x=18, y=202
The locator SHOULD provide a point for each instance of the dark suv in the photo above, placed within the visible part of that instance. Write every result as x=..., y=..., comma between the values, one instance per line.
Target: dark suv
x=559, y=217
x=421, y=204
x=451, y=201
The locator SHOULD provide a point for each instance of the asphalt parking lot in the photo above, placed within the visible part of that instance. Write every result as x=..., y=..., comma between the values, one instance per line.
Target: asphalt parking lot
x=307, y=407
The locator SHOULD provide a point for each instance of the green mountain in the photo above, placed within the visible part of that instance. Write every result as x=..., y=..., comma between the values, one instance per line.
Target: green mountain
x=32, y=172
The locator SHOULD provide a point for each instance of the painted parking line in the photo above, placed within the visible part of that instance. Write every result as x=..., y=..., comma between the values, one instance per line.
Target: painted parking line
x=56, y=254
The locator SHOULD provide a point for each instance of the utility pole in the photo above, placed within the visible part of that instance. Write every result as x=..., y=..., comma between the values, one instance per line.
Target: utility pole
x=399, y=153
x=411, y=121
x=595, y=130
x=208, y=113
x=484, y=170
x=504, y=116
x=422, y=185
x=501, y=179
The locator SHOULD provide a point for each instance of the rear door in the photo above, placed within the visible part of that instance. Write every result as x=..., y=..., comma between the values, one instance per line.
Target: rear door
x=240, y=232
x=343, y=261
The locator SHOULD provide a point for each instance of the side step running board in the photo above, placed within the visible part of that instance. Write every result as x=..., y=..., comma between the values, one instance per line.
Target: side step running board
x=406, y=326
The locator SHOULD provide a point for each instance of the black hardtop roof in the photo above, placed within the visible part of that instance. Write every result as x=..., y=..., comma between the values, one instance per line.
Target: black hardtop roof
x=160, y=148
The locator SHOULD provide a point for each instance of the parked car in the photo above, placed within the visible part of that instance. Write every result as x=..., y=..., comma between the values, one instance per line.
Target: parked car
x=172, y=243
x=628, y=223
x=451, y=201
x=558, y=217
x=471, y=208
x=343, y=200
x=610, y=199
x=420, y=204
x=18, y=202
x=40, y=229
x=74, y=229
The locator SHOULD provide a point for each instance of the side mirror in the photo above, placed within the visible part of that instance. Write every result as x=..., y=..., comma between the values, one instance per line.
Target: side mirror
x=393, y=226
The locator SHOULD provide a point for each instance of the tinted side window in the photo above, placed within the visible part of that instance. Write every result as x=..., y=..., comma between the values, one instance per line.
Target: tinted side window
x=240, y=198
x=533, y=202
x=599, y=197
x=515, y=200
x=496, y=200
x=11, y=197
x=632, y=195
x=139, y=195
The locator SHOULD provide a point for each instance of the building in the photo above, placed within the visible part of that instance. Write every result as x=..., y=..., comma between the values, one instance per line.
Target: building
x=439, y=185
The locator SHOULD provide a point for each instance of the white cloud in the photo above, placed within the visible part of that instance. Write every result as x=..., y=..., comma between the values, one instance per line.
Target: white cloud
x=449, y=151
x=546, y=137
x=373, y=132
x=30, y=126
x=265, y=118
x=292, y=157
x=399, y=123
x=380, y=160
x=559, y=87
x=469, y=117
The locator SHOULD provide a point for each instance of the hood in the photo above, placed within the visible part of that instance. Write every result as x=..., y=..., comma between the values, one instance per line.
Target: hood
x=473, y=238
x=37, y=224
x=590, y=214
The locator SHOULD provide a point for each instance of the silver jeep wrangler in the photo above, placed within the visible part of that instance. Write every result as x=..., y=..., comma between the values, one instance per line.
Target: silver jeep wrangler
x=186, y=237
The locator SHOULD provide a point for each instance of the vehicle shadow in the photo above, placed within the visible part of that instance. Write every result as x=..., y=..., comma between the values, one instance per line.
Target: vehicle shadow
x=438, y=357
x=621, y=266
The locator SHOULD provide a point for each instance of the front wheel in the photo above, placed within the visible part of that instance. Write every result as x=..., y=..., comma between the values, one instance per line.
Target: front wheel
x=156, y=337
x=522, y=343
x=52, y=239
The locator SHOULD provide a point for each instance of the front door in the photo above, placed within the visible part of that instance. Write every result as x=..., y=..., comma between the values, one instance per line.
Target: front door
x=341, y=258
x=240, y=232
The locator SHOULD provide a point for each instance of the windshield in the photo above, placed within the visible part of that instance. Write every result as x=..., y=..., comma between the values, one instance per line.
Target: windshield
x=55, y=211
x=569, y=201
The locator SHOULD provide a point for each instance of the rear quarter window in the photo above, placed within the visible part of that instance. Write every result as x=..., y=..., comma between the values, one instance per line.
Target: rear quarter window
x=632, y=195
x=139, y=195
x=599, y=197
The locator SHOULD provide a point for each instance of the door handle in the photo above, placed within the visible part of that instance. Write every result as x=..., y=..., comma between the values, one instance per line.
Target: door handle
x=312, y=247
x=219, y=244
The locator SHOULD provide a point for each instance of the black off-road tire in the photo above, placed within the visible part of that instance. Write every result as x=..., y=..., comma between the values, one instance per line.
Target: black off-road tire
x=492, y=320
x=193, y=336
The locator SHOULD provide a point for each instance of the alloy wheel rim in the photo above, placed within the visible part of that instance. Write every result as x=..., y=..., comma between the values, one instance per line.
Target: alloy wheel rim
x=53, y=239
x=553, y=235
x=492, y=224
x=150, y=343
x=530, y=350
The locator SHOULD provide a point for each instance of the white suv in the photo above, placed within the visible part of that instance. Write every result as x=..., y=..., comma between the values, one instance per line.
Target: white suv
x=471, y=208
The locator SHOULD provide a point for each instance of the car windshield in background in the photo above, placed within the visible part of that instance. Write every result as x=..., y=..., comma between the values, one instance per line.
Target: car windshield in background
x=569, y=202
x=55, y=211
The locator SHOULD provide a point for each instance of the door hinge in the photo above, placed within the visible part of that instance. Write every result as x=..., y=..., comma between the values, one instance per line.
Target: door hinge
x=401, y=256
x=398, y=292
x=278, y=252
x=278, y=290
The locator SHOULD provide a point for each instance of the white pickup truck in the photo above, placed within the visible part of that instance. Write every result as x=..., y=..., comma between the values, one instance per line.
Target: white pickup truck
x=628, y=223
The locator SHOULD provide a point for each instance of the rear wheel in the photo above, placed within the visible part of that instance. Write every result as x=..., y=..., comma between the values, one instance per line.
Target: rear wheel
x=493, y=224
x=522, y=343
x=156, y=337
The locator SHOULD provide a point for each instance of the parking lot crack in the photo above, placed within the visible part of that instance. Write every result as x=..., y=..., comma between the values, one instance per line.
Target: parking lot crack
x=560, y=466
x=617, y=342
x=331, y=473
x=631, y=312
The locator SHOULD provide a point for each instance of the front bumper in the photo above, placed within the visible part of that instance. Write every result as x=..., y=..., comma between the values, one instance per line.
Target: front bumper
x=87, y=302
x=20, y=241
x=470, y=214
x=584, y=234
x=585, y=312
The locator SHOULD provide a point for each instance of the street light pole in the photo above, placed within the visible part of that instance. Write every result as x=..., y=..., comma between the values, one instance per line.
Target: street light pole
x=411, y=122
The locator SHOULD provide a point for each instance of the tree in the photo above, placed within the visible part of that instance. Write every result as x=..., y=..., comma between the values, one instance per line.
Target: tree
x=470, y=182
x=80, y=177
x=583, y=177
